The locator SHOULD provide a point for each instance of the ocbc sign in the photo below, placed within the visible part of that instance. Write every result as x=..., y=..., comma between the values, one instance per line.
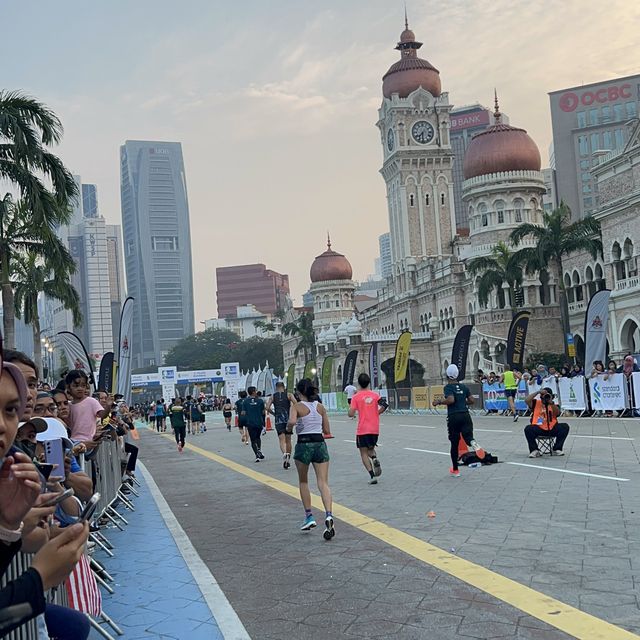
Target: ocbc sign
x=569, y=101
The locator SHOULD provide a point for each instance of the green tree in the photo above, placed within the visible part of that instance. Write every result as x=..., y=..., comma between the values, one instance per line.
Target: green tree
x=503, y=266
x=258, y=351
x=31, y=275
x=44, y=185
x=204, y=350
x=556, y=239
x=265, y=326
x=302, y=328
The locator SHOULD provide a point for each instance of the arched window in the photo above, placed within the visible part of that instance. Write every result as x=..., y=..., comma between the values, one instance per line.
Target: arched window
x=619, y=266
x=484, y=218
x=628, y=249
x=411, y=203
x=577, y=288
x=518, y=206
x=499, y=205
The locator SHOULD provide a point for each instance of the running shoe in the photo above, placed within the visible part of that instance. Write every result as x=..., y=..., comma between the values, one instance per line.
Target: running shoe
x=454, y=473
x=377, y=469
x=478, y=449
x=558, y=452
x=535, y=454
x=329, y=530
x=285, y=461
x=308, y=524
x=260, y=455
x=257, y=459
x=515, y=417
x=179, y=448
x=373, y=480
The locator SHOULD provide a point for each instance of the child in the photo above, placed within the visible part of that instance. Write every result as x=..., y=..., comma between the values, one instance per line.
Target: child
x=84, y=411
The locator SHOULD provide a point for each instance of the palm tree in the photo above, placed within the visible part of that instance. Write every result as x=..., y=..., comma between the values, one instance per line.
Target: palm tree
x=32, y=276
x=302, y=327
x=266, y=326
x=557, y=238
x=502, y=266
x=21, y=233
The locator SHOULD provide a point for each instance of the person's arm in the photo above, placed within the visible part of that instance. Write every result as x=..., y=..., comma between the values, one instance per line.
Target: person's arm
x=352, y=407
x=293, y=417
x=268, y=407
x=447, y=400
x=555, y=410
x=470, y=400
x=326, y=428
x=26, y=589
x=529, y=399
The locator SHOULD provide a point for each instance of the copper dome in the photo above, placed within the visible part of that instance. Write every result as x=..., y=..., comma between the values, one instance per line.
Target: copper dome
x=330, y=265
x=410, y=72
x=500, y=148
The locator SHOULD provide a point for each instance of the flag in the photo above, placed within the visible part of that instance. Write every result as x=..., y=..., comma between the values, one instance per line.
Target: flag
x=105, y=376
x=349, y=368
x=461, y=349
x=517, y=338
x=308, y=370
x=401, y=360
x=268, y=383
x=77, y=355
x=327, y=371
x=124, y=350
x=374, y=365
x=260, y=382
x=291, y=374
x=82, y=589
x=596, y=320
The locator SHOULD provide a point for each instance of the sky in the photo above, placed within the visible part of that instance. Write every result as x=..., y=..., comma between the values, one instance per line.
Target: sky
x=275, y=103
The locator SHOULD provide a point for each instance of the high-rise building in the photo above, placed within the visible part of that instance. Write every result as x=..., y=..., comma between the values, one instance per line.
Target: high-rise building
x=116, y=276
x=384, y=241
x=252, y=284
x=549, y=200
x=466, y=122
x=157, y=246
x=588, y=122
x=89, y=200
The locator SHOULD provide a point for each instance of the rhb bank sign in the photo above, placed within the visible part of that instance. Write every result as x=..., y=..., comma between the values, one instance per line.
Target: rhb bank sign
x=571, y=100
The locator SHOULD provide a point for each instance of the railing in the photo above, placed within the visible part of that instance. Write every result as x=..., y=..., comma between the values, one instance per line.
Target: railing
x=372, y=336
x=629, y=283
x=577, y=306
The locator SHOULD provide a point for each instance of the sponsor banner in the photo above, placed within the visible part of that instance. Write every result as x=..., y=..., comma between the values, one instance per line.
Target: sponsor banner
x=494, y=398
x=260, y=383
x=374, y=365
x=105, y=376
x=124, y=350
x=552, y=383
x=609, y=394
x=76, y=354
x=461, y=349
x=404, y=398
x=329, y=400
x=595, y=328
x=168, y=392
x=517, y=338
x=308, y=370
x=269, y=384
x=467, y=119
x=572, y=394
x=420, y=397
x=349, y=368
x=168, y=375
x=200, y=376
x=230, y=370
x=327, y=374
x=635, y=382
x=291, y=378
x=401, y=359
x=436, y=393
x=341, y=401
x=231, y=389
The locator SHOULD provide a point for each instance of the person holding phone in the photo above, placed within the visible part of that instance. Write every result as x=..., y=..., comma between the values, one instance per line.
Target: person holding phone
x=544, y=422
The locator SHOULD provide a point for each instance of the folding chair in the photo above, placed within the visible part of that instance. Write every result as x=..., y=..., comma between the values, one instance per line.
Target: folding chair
x=546, y=444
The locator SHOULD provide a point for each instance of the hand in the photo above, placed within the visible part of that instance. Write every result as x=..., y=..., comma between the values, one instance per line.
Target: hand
x=435, y=403
x=36, y=517
x=19, y=489
x=55, y=561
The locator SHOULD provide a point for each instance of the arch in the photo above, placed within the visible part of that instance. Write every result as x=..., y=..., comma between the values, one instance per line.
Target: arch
x=476, y=361
x=567, y=280
x=630, y=336
x=579, y=344
x=588, y=274
x=501, y=353
x=499, y=206
x=598, y=272
x=518, y=206
x=616, y=252
x=627, y=249
x=411, y=200
x=576, y=278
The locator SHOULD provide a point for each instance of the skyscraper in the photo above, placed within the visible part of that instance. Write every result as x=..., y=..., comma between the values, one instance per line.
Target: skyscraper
x=385, y=254
x=157, y=246
x=89, y=200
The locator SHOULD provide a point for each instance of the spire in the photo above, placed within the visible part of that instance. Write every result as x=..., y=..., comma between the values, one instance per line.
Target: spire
x=328, y=241
x=496, y=113
x=406, y=20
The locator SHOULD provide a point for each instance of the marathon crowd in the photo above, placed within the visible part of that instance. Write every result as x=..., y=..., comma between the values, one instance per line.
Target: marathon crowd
x=45, y=506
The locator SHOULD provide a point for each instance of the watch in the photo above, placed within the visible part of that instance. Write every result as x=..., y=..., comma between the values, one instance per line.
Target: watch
x=7, y=535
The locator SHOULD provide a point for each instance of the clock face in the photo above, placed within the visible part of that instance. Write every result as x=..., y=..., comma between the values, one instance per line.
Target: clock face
x=422, y=132
x=390, y=139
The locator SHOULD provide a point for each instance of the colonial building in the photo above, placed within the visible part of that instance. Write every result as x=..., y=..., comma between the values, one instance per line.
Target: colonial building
x=430, y=291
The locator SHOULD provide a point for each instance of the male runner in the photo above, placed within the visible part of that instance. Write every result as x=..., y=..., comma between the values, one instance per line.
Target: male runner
x=254, y=414
x=457, y=398
x=369, y=406
x=244, y=437
x=510, y=381
x=279, y=405
x=178, y=423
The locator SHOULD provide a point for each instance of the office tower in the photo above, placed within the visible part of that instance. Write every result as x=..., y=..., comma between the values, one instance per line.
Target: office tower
x=384, y=241
x=588, y=122
x=252, y=284
x=116, y=276
x=89, y=200
x=157, y=247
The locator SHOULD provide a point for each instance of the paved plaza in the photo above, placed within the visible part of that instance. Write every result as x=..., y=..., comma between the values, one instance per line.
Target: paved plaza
x=521, y=549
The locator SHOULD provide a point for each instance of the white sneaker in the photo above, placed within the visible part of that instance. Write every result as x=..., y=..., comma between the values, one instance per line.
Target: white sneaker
x=558, y=452
x=535, y=454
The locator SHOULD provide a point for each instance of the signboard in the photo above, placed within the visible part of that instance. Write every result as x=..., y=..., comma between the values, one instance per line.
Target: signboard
x=230, y=370
x=570, y=100
x=468, y=119
x=168, y=375
x=571, y=346
x=572, y=394
x=635, y=380
x=609, y=394
x=231, y=390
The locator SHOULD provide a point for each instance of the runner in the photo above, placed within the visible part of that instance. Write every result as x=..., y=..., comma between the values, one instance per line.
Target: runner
x=279, y=405
x=159, y=415
x=510, y=381
x=369, y=406
x=244, y=436
x=203, y=418
x=457, y=398
x=312, y=423
x=192, y=425
x=178, y=423
x=254, y=414
x=227, y=409
x=350, y=390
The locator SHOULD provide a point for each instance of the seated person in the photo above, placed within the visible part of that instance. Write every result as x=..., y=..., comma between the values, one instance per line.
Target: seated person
x=544, y=422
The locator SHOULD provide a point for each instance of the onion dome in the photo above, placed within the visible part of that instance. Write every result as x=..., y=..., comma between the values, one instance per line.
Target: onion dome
x=500, y=148
x=331, y=335
x=322, y=337
x=342, y=331
x=330, y=265
x=410, y=72
x=354, y=326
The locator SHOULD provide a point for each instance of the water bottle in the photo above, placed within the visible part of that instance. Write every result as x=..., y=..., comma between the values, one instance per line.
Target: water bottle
x=475, y=465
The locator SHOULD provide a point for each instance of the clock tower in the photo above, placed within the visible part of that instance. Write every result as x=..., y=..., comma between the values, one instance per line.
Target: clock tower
x=418, y=160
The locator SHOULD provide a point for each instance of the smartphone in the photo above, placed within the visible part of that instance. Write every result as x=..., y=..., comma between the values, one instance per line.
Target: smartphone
x=89, y=508
x=44, y=469
x=54, y=454
x=57, y=498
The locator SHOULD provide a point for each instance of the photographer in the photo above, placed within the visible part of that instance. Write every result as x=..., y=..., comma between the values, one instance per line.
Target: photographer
x=544, y=422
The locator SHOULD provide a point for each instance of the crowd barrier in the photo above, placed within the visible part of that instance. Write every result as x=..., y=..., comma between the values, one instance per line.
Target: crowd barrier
x=105, y=468
x=603, y=393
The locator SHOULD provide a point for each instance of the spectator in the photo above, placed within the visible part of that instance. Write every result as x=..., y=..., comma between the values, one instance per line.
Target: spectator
x=30, y=373
x=597, y=369
x=84, y=410
x=45, y=406
x=565, y=371
x=628, y=366
x=612, y=366
x=576, y=371
x=544, y=422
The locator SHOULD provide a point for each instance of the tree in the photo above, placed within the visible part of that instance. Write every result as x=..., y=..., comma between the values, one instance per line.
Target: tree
x=258, y=351
x=503, y=266
x=265, y=326
x=555, y=240
x=31, y=275
x=302, y=328
x=27, y=128
x=204, y=350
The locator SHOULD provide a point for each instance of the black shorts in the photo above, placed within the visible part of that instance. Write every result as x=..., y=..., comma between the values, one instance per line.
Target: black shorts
x=226, y=414
x=460, y=424
x=510, y=393
x=281, y=427
x=367, y=441
x=348, y=400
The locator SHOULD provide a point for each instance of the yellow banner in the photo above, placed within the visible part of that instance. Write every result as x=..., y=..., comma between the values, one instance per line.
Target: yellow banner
x=420, y=397
x=402, y=357
x=436, y=393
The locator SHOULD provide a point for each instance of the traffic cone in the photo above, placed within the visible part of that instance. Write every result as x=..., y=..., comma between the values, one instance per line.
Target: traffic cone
x=269, y=427
x=237, y=421
x=462, y=447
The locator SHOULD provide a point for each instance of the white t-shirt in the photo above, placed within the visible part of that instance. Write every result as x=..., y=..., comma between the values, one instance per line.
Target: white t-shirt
x=350, y=390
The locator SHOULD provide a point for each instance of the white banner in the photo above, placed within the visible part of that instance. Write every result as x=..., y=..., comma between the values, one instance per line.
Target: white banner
x=552, y=383
x=124, y=350
x=572, y=394
x=230, y=370
x=168, y=392
x=231, y=390
x=595, y=328
x=168, y=375
x=635, y=380
x=609, y=394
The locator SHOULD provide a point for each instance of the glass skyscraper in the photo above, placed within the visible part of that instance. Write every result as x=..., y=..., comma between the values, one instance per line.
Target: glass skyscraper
x=157, y=247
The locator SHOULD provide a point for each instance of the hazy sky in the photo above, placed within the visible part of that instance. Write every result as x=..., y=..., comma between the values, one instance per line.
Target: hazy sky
x=275, y=102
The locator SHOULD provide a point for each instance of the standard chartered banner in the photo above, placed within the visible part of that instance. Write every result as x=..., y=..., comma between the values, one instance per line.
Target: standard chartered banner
x=572, y=393
x=635, y=379
x=609, y=394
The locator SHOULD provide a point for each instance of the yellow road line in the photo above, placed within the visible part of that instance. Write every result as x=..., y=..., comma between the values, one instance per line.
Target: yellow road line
x=545, y=608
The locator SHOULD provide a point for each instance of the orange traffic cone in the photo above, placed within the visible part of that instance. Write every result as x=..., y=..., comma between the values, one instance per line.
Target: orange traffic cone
x=269, y=427
x=462, y=447
x=237, y=421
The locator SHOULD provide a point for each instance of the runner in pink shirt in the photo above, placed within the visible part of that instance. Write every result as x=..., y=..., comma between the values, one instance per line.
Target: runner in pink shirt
x=369, y=405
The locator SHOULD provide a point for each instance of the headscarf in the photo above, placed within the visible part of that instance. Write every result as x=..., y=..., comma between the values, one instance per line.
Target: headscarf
x=627, y=366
